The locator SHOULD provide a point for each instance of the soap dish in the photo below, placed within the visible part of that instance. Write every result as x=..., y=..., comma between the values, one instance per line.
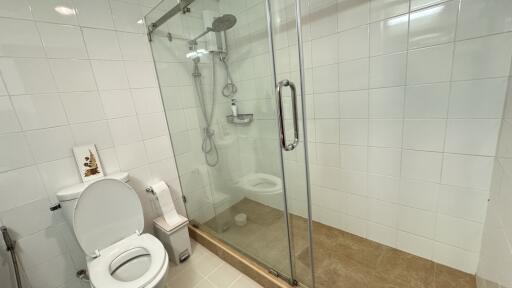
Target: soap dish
x=240, y=119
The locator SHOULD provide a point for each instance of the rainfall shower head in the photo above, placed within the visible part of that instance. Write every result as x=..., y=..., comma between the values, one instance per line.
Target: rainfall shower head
x=223, y=23
x=219, y=24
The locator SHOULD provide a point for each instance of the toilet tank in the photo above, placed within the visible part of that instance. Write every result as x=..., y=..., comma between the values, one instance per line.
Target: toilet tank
x=68, y=197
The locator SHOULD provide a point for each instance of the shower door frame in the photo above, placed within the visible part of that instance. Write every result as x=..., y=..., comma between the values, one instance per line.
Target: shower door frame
x=291, y=252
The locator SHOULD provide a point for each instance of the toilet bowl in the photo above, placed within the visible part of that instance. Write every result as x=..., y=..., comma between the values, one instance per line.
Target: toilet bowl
x=107, y=219
x=263, y=188
x=261, y=184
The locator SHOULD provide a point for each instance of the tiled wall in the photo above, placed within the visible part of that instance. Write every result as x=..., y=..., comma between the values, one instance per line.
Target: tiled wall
x=72, y=72
x=406, y=101
x=496, y=252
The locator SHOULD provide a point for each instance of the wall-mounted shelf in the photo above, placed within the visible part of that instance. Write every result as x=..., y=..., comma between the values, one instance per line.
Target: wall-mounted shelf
x=240, y=119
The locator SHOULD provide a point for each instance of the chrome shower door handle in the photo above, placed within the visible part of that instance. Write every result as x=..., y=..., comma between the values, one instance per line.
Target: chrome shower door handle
x=282, y=132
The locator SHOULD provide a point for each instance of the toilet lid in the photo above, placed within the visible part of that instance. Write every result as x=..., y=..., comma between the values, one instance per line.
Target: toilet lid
x=106, y=212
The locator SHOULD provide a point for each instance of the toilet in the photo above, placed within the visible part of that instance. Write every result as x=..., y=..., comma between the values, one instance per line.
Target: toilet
x=264, y=188
x=106, y=216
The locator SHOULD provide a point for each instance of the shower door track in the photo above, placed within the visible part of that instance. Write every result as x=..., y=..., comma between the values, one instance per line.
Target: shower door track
x=181, y=7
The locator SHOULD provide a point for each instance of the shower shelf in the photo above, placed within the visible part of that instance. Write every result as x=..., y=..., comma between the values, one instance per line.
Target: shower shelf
x=240, y=119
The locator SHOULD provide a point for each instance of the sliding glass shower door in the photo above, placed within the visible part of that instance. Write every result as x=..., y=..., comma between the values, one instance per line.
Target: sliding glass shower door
x=232, y=89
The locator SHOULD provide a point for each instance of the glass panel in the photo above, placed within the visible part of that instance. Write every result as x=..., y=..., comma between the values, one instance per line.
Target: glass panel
x=294, y=162
x=231, y=173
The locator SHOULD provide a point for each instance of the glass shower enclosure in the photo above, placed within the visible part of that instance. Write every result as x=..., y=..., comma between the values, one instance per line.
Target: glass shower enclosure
x=234, y=110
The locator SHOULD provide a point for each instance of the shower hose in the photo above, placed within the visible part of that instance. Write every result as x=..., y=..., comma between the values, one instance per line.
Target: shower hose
x=208, y=146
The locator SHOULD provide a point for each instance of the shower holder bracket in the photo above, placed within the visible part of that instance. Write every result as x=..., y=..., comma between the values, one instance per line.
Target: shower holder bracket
x=240, y=119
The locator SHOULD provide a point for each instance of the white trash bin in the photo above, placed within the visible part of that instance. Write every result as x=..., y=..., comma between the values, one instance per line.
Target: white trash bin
x=175, y=238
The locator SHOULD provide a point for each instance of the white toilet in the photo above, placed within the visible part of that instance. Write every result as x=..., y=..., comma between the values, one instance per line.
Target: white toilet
x=263, y=188
x=107, y=218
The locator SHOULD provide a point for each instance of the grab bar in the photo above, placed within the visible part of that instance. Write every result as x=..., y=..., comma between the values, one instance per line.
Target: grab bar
x=282, y=132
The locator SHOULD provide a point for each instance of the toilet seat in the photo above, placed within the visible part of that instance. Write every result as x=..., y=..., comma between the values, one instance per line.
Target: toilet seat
x=261, y=183
x=100, y=267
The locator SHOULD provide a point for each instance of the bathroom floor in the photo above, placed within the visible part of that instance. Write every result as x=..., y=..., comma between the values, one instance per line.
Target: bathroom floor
x=205, y=270
x=341, y=259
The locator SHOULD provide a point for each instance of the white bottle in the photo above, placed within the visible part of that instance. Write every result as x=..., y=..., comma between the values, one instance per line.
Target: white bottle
x=234, y=108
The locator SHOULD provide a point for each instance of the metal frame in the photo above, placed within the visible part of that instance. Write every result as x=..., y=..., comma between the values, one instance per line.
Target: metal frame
x=298, y=15
x=181, y=7
x=292, y=280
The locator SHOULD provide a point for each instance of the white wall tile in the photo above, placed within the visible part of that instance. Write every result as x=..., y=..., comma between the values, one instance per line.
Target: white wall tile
x=110, y=74
x=429, y=65
x=23, y=41
x=147, y=100
x=384, y=161
x=39, y=110
x=354, y=131
x=97, y=133
x=353, y=158
x=418, y=222
x=50, y=144
x=20, y=187
x=127, y=17
x=141, y=74
x=8, y=120
x=422, y=165
x=125, y=130
x=324, y=51
x=83, y=106
x=419, y=4
x=387, y=102
x=388, y=70
x=388, y=36
x=419, y=194
x=482, y=57
x=62, y=41
x=41, y=247
x=134, y=46
x=353, y=44
x=383, y=187
x=353, y=75
x=463, y=203
x=385, y=133
x=424, y=134
x=117, y=103
x=102, y=44
x=472, y=136
x=478, y=98
x=427, y=101
x=158, y=148
x=382, y=234
x=416, y=245
x=57, y=11
x=327, y=130
x=325, y=79
x=94, y=13
x=353, y=13
x=467, y=171
x=72, y=75
x=433, y=25
x=326, y=105
x=28, y=219
x=25, y=75
x=384, y=213
x=131, y=155
x=381, y=9
x=455, y=257
x=15, y=9
x=14, y=152
x=153, y=125
x=353, y=104
x=479, y=18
